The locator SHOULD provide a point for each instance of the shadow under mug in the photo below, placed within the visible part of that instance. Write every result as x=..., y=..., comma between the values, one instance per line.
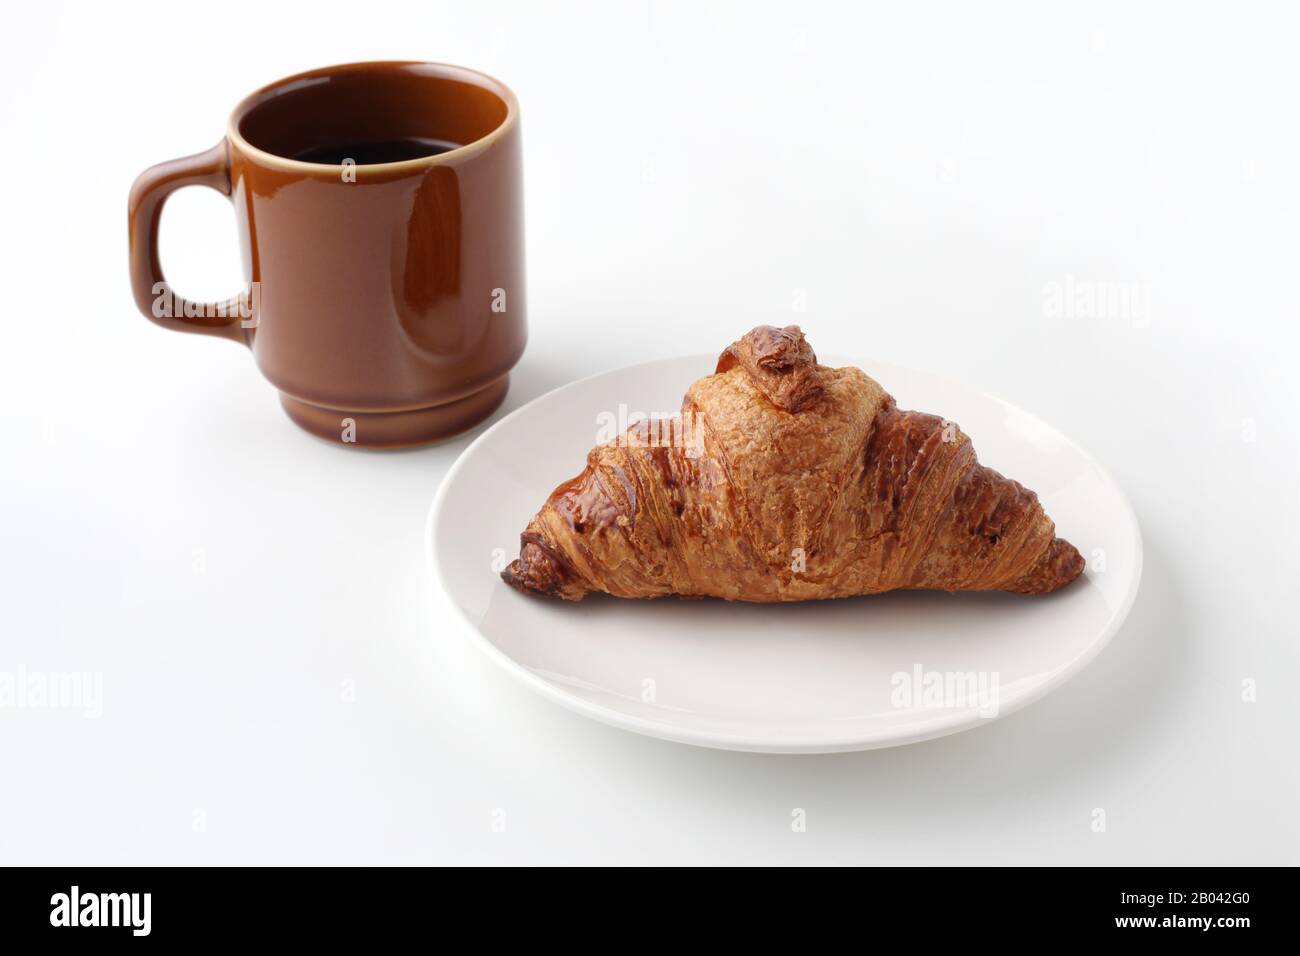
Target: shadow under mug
x=385, y=301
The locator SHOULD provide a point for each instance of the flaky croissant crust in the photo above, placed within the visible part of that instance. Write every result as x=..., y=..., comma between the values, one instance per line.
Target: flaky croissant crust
x=786, y=480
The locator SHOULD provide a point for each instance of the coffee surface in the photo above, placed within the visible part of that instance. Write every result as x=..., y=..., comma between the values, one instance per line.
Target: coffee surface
x=381, y=151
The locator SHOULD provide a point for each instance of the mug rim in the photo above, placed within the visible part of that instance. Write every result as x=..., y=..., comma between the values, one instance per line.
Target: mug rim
x=443, y=70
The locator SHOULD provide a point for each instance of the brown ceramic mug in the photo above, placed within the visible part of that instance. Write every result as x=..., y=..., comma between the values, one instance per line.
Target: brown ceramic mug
x=385, y=300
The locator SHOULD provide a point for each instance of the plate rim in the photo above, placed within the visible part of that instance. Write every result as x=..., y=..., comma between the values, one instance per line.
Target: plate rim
x=955, y=722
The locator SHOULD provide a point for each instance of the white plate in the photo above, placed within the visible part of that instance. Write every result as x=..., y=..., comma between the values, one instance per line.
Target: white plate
x=815, y=677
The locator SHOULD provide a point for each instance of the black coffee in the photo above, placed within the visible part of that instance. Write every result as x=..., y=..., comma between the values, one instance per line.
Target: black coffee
x=382, y=151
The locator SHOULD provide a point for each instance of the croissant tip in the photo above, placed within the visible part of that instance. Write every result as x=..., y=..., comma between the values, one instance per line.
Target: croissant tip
x=779, y=362
x=535, y=571
x=1061, y=564
x=513, y=576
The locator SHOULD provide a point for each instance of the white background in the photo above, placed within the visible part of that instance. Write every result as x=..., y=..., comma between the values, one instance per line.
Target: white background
x=921, y=175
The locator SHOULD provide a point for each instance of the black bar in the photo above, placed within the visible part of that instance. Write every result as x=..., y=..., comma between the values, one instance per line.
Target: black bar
x=336, y=905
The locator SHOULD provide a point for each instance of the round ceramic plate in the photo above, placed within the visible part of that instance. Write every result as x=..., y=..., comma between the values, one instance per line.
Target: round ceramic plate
x=814, y=677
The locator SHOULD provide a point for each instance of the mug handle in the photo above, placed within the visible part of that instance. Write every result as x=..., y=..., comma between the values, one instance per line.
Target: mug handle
x=153, y=296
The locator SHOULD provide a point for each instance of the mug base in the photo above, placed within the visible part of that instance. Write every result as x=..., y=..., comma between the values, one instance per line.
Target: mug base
x=406, y=429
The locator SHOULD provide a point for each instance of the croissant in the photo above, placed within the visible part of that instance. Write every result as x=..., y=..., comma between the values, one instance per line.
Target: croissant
x=785, y=480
